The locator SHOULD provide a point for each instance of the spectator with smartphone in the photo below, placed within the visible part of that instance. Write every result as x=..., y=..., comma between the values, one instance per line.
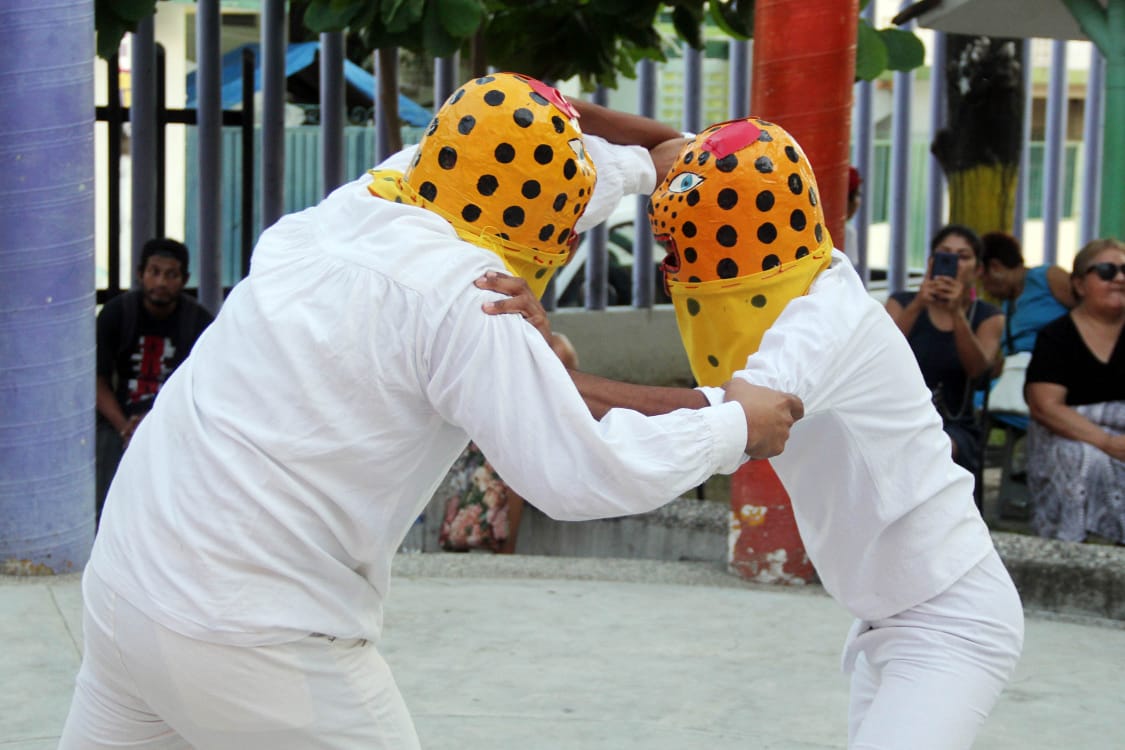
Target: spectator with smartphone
x=954, y=336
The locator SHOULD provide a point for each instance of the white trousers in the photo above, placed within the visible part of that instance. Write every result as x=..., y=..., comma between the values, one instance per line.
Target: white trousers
x=144, y=686
x=926, y=678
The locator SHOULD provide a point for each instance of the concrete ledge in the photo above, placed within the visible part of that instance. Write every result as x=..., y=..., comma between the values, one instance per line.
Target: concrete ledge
x=684, y=530
x=1064, y=578
x=626, y=343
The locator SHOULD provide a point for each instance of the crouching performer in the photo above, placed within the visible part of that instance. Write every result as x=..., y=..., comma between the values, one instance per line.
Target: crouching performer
x=886, y=516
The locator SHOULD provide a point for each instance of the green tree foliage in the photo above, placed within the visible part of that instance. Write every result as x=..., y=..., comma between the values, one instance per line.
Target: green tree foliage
x=114, y=17
x=878, y=50
x=596, y=40
x=434, y=27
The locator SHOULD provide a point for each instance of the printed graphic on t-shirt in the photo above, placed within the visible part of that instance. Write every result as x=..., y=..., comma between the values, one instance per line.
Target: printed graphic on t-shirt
x=149, y=366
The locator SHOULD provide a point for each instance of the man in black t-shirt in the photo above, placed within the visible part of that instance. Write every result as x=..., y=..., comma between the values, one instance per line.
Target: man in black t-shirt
x=143, y=336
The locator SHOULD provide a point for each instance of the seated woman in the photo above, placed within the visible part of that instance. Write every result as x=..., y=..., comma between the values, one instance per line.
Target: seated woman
x=481, y=510
x=954, y=336
x=1031, y=297
x=1076, y=392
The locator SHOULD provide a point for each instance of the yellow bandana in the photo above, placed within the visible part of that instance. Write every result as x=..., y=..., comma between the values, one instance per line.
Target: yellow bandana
x=741, y=218
x=533, y=266
x=722, y=322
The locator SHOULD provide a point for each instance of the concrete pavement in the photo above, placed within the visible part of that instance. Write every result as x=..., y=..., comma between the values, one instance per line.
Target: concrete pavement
x=561, y=653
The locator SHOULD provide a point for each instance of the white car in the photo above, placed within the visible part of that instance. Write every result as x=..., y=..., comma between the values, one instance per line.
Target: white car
x=570, y=281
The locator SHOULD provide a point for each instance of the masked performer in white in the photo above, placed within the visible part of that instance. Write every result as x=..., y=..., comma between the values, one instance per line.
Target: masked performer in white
x=234, y=594
x=886, y=516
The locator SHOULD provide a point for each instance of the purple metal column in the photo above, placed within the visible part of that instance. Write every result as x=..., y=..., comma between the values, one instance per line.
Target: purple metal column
x=643, y=270
x=738, y=91
x=383, y=123
x=209, y=127
x=46, y=286
x=142, y=142
x=1025, y=151
x=693, y=88
x=863, y=157
x=272, y=66
x=898, y=256
x=935, y=178
x=1054, y=145
x=331, y=110
x=597, y=260
x=445, y=78
x=1092, y=132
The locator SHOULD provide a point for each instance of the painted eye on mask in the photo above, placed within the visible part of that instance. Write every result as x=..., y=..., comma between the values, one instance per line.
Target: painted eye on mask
x=684, y=182
x=578, y=148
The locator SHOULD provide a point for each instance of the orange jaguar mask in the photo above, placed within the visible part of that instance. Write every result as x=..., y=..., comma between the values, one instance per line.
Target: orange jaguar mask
x=741, y=218
x=503, y=161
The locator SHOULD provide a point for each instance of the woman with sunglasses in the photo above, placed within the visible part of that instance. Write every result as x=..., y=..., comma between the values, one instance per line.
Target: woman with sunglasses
x=1076, y=392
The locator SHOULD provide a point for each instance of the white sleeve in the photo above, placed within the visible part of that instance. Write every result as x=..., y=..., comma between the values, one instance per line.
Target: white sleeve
x=622, y=170
x=787, y=359
x=713, y=393
x=497, y=379
x=817, y=342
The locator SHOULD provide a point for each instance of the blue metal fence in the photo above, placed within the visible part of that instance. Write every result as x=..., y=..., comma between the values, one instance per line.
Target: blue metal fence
x=303, y=185
x=877, y=190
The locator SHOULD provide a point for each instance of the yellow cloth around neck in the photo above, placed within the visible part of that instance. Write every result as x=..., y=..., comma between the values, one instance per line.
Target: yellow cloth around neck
x=722, y=322
x=533, y=266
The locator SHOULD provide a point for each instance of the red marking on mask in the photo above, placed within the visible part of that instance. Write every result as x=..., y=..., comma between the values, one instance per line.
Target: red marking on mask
x=730, y=138
x=554, y=97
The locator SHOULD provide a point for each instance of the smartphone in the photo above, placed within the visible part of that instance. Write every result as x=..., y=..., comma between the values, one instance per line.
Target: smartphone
x=945, y=264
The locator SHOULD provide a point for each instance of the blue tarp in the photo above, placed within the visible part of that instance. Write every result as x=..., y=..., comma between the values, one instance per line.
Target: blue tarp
x=297, y=58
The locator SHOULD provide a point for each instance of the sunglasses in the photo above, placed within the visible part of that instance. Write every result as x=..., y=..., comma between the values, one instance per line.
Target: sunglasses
x=1106, y=271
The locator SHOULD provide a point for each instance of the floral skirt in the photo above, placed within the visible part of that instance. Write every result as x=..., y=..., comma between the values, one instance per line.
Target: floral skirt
x=476, y=505
x=1076, y=488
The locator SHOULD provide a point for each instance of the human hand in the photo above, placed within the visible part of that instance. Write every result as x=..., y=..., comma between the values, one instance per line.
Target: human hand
x=520, y=300
x=947, y=291
x=769, y=415
x=1115, y=446
x=564, y=350
x=129, y=428
x=664, y=156
x=944, y=291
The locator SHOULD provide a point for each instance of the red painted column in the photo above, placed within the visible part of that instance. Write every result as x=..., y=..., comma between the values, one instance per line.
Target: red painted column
x=765, y=545
x=804, y=68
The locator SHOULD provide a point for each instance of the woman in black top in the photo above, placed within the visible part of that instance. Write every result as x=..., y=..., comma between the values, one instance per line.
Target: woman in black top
x=954, y=336
x=1076, y=393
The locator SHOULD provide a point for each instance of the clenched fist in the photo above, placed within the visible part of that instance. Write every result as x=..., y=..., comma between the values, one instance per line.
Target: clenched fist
x=769, y=415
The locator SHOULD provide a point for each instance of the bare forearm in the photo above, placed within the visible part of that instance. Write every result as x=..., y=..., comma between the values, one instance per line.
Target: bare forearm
x=1058, y=281
x=602, y=394
x=905, y=317
x=108, y=407
x=1068, y=423
x=970, y=350
x=622, y=128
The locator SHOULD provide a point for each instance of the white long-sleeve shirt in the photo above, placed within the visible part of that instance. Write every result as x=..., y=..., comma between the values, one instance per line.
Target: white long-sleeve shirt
x=265, y=495
x=886, y=516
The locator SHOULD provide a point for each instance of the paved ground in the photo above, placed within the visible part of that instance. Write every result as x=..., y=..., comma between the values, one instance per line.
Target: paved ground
x=560, y=653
